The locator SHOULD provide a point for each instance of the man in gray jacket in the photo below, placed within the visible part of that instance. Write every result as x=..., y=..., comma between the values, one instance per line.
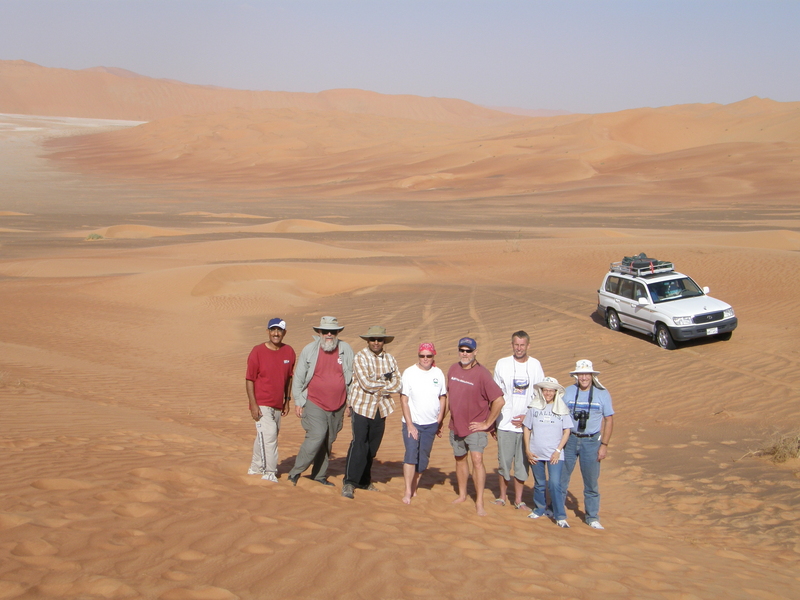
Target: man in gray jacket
x=323, y=374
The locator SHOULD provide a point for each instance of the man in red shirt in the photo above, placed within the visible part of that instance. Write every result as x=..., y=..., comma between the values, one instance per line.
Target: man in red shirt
x=324, y=372
x=268, y=381
x=475, y=402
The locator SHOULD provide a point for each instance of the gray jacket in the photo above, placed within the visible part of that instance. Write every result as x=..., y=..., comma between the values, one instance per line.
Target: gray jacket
x=307, y=362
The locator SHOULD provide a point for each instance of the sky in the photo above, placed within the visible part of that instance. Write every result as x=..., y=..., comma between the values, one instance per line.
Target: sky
x=578, y=56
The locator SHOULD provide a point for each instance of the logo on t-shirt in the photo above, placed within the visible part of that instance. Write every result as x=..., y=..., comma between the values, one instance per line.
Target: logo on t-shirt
x=435, y=381
x=340, y=360
x=286, y=362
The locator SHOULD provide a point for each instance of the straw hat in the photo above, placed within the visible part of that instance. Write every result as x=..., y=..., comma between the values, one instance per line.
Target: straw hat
x=376, y=331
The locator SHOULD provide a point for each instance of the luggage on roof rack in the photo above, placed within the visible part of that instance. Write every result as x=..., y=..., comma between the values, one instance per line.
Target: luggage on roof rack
x=641, y=265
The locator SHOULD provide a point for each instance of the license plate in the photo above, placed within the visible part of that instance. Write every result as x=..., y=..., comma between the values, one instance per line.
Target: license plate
x=712, y=330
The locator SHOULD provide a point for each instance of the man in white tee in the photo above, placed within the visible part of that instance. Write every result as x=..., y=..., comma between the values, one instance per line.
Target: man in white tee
x=516, y=375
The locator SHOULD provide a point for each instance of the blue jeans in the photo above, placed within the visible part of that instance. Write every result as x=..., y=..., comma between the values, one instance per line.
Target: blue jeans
x=584, y=450
x=540, y=482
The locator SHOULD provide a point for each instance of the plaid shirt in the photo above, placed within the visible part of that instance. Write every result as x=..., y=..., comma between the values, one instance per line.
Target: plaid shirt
x=370, y=392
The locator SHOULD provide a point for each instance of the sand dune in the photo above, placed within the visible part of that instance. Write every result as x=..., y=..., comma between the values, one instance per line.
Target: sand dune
x=110, y=93
x=685, y=151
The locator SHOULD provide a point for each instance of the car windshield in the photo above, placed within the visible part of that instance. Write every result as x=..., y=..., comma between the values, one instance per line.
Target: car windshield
x=673, y=289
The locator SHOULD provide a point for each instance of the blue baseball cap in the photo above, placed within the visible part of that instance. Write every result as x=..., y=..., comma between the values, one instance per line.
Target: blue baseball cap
x=468, y=342
x=277, y=322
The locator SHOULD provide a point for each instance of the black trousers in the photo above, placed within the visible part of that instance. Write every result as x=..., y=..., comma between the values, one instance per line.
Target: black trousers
x=367, y=438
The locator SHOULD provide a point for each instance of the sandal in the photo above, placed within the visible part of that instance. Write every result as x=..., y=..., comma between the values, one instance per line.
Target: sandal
x=520, y=505
x=500, y=501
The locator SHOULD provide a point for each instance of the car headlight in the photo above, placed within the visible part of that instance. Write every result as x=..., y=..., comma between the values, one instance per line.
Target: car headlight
x=682, y=320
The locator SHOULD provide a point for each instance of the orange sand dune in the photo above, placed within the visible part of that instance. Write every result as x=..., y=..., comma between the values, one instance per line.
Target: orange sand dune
x=693, y=150
x=109, y=93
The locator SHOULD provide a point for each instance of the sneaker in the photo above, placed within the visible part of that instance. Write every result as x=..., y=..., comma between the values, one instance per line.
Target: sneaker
x=372, y=488
x=562, y=523
x=294, y=478
x=596, y=525
x=347, y=491
x=549, y=513
x=534, y=515
x=252, y=471
x=270, y=477
x=324, y=482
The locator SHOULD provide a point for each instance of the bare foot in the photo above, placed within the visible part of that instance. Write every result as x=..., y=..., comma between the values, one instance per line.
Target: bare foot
x=406, y=499
x=459, y=500
x=481, y=512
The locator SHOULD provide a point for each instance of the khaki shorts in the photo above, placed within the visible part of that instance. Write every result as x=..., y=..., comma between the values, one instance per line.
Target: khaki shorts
x=474, y=442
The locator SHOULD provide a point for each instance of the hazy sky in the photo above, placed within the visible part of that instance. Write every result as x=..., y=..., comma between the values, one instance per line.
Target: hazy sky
x=578, y=56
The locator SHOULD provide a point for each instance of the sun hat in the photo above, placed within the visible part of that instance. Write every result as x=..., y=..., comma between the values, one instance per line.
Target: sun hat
x=585, y=366
x=538, y=401
x=277, y=322
x=468, y=342
x=550, y=383
x=376, y=331
x=328, y=324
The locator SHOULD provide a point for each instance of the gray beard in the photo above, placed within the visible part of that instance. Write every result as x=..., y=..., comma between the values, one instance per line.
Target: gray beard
x=329, y=345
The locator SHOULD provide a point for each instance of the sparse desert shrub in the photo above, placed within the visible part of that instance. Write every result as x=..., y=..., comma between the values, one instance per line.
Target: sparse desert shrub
x=93, y=236
x=782, y=446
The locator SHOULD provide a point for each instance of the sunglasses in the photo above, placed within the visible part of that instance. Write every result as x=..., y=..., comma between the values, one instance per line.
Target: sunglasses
x=375, y=340
x=467, y=350
x=425, y=355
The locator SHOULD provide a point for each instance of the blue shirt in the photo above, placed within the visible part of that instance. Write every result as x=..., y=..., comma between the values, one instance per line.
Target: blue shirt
x=601, y=407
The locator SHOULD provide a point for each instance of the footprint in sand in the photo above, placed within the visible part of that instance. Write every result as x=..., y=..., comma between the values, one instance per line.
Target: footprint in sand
x=34, y=548
x=10, y=520
x=175, y=576
x=205, y=592
x=263, y=519
x=257, y=549
x=190, y=555
x=136, y=510
x=362, y=546
x=60, y=484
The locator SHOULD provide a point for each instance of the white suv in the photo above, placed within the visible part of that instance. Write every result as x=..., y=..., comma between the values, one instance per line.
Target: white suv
x=649, y=296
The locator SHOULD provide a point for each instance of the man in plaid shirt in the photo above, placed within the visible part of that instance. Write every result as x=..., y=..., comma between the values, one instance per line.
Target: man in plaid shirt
x=375, y=378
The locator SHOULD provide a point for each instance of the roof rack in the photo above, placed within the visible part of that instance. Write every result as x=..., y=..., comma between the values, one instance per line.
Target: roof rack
x=641, y=265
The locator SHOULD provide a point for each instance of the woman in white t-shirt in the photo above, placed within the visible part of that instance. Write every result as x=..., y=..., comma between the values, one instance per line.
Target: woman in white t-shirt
x=424, y=402
x=545, y=432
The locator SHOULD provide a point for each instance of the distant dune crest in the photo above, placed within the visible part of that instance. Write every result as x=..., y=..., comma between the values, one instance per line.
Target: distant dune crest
x=358, y=143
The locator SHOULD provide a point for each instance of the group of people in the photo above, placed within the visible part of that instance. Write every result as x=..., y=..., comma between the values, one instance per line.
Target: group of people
x=540, y=427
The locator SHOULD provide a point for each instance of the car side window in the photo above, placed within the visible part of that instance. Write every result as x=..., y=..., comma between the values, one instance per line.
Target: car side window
x=639, y=292
x=626, y=289
x=612, y=285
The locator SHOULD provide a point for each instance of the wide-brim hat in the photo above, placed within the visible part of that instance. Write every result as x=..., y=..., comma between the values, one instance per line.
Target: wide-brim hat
x=376, y=331
x=585, y=366
x=549, y=383
x=329, y=324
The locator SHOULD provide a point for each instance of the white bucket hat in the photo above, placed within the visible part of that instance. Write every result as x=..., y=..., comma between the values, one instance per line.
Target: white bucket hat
x=328, y=324
x=549, y=383
x=585, y=366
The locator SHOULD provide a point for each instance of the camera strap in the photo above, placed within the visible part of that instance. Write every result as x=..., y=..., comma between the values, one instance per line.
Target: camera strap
x=578, y=391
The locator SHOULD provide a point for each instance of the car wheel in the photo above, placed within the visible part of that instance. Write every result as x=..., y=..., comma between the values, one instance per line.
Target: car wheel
x=725, y=336
x=664, y=338
x=612, y=320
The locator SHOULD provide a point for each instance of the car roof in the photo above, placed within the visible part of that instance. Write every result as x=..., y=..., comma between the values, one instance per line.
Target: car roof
x=648, y=278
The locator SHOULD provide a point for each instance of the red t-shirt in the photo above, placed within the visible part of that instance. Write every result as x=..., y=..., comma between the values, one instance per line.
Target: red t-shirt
x=326, y=388
x=269, y=370
x=470, y=393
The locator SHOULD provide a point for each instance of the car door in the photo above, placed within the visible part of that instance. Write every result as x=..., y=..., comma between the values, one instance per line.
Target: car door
x=632, y=314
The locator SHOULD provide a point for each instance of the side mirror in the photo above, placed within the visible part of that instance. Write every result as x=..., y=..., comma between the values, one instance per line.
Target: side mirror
x=643, y=301
x=706, y=290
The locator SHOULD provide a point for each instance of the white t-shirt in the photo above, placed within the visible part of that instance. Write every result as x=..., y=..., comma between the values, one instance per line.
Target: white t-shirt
x=513, y=377
x=423, y=389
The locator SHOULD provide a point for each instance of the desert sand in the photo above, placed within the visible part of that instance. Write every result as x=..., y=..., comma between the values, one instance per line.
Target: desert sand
x=134, y=283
